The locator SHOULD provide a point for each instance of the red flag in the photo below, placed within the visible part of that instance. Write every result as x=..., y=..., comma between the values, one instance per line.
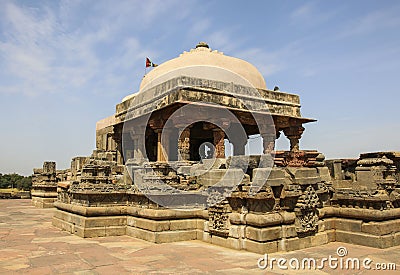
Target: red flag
x=149, y=63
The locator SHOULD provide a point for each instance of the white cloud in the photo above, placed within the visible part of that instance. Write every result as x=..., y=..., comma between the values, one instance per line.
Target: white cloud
x=303, y=11
x=271, y=61
x=200, y=27
x=372, y=22
x=312, y=15
x=64, y=49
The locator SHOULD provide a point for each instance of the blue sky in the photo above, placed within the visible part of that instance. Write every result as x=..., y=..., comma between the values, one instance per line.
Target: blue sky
x=65, y=65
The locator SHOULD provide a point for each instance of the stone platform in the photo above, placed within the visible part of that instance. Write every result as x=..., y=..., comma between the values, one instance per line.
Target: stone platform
x=30, y=244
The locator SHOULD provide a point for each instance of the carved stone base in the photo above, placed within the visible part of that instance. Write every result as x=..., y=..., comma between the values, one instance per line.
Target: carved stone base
x=297, y=158
x=42, y=202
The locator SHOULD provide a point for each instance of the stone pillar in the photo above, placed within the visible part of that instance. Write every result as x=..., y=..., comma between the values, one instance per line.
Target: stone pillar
x=161, y=154
x=269, y=135
x=238, y=137
x=293, y=133
x=166, y=142
x=337, y=169
x=184, y=145
x=138, y=145
x=239, y=144
x=219, y=143
x=118, y=146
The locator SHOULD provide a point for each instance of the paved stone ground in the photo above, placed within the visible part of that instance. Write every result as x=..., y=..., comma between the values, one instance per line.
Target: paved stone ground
x=30, y=244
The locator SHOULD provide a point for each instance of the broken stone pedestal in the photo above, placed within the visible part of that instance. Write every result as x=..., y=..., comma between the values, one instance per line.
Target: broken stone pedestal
x=44, y=185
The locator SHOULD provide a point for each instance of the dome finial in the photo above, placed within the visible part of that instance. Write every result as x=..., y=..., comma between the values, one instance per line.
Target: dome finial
x=202, y=45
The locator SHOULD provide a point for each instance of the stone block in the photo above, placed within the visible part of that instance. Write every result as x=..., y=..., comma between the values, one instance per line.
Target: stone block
x=101, y=231
x=148, y=224
x=260, y=248
x=237, y=231
x=381, y=228
x=141, y=234
x=396, y=239
x=205, y=237
x=63, y=225
x=297, y=243
x=80, y=231
x=337, y=169
x=281, y=245
x=326, y=224
x=227, y=242
x=305, y=176
x=289, y=231
x=331, y=235
x=206, y=226
x=211, y=177
x=115, y=230
x=268, y=176
x=223, y=177
x=183, y=224
x=73, y=219
x=365, y=239
x=263, y=234
x=200, y=224
x=260, y=220
x=319, y=239
x=348, y=225
x=175, y=236
x=324, y=174
x=365, y=178
x=43, y=202
x=105, y=221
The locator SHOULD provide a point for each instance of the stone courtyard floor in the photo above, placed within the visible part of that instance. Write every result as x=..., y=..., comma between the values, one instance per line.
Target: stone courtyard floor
x=30, y=244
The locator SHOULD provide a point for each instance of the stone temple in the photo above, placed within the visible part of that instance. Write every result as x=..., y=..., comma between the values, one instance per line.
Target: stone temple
x=171, y=165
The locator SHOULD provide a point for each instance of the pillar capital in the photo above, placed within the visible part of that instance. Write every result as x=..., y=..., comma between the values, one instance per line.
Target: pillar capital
x=294, y=133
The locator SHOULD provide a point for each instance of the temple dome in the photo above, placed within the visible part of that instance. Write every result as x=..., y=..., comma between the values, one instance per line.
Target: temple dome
x=202, y=62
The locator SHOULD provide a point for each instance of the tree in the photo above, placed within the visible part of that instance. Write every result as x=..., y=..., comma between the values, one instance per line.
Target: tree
x=15, y=181
x=24, y=183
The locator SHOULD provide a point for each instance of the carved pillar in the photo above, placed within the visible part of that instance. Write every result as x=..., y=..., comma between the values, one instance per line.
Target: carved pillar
x=184, y=145
x=157, y=125
x=268, y=134
x=293, y=133
x=219, y=143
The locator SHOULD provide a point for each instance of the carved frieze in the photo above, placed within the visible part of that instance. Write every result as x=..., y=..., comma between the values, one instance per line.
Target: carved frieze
x=306, y=211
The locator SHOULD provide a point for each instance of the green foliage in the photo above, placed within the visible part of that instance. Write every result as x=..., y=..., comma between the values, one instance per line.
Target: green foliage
x=15, y=181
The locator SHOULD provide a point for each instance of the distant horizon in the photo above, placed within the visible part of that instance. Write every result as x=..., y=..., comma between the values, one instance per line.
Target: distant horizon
x=65, y=65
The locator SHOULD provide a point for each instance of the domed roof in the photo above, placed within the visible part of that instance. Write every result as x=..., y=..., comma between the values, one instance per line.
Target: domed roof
x=202, y=62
